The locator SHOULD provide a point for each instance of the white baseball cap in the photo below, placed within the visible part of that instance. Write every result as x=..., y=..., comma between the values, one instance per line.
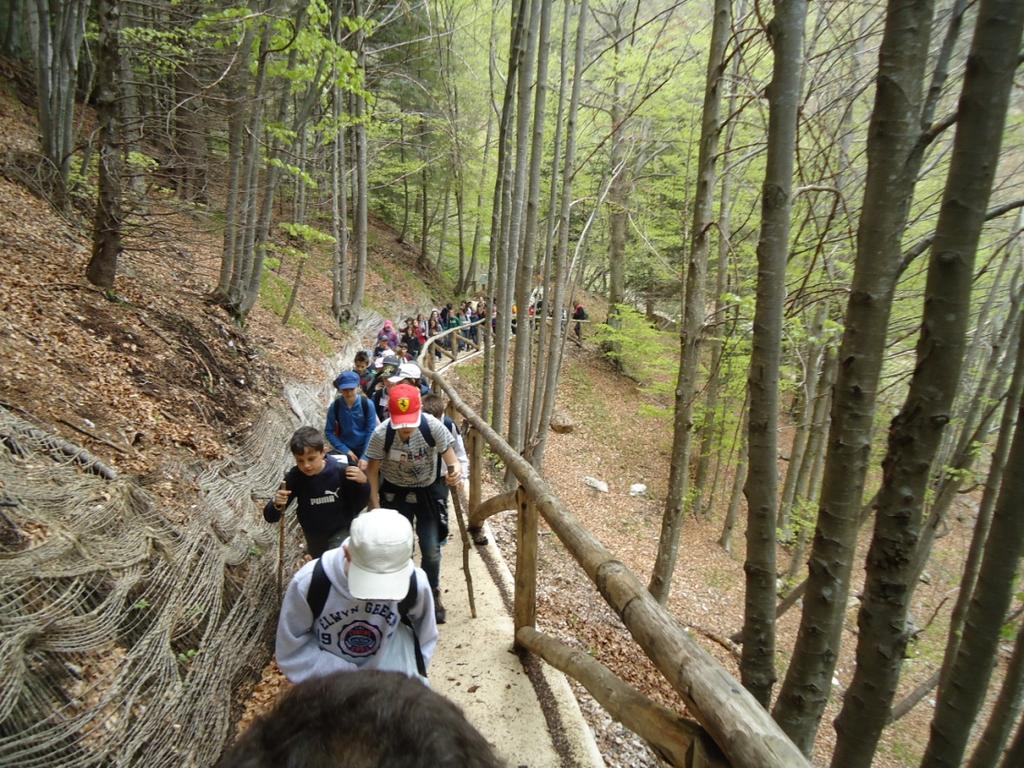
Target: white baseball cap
x=379, y=547
x=406, y=371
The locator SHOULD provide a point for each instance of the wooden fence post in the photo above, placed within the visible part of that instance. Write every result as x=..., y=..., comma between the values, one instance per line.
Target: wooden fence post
x=526, y=562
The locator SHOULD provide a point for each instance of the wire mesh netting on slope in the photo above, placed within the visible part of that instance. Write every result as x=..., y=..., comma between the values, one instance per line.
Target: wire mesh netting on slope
x=124, y=634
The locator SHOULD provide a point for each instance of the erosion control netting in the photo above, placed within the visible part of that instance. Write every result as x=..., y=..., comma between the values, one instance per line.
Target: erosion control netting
x=123, y=632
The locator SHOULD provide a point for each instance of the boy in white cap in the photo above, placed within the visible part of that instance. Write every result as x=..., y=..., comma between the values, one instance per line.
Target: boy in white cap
x=361, y=606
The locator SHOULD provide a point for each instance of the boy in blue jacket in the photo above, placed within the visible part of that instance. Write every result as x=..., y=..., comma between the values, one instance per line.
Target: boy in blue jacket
x=351, y=418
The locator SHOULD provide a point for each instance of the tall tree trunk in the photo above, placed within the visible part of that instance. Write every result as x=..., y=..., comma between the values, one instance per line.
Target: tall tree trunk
x=56, y=31
x=710, y=431
x=106, y=238
x=340, y=288
x=916, y=431
x=956, y=711
x=544, y=330
x=983, y=521
x=360, y=223
x=892, y=172
x=618, y=192
x=814, y=459
x=512, y=203
x=560, y=259
x=443, y=239
x=519, y=416
x=732, y=511
x=243, y=262
x=804, y=415
x=757, y=663
x=1006, y=710
x=405, y=181
x=236, y=127
x=494, y=392
x=692, y=327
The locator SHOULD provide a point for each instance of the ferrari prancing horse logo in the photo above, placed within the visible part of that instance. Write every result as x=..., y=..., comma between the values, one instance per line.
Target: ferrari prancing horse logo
x=403, y=404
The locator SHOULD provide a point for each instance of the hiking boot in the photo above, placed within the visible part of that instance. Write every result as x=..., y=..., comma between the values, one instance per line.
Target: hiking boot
x=439, y=612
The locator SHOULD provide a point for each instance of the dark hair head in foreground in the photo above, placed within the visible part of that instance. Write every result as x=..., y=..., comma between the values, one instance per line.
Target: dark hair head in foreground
x=366, y=719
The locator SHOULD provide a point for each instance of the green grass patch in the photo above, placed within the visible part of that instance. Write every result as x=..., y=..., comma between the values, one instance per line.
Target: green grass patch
x=274, y=293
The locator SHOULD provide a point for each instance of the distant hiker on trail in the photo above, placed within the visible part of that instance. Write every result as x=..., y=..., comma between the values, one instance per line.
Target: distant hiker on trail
x=579, y=313
x=402, y=472
x=351, y=418
x=302, y=728
x=361, y=365
x=328, y=493
x=362, y=606
x=385, y=368
x=388, y=334
x=410, y=339
x=410, y=373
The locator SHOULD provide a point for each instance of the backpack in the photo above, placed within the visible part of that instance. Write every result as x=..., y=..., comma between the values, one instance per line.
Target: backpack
x=337, y=416
x=320, y=588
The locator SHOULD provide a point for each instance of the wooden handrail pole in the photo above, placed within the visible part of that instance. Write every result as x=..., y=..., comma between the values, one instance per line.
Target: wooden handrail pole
x=526, y=562
x=740, y=726
x=678, y=741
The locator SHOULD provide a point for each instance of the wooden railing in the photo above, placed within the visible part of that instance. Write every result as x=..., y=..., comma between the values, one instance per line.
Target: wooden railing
x=732, y=730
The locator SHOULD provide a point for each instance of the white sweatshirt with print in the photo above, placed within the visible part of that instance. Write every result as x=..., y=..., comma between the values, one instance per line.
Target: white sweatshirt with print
x=350, y=634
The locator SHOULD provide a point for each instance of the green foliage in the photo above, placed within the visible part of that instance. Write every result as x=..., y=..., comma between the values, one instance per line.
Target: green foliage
x=308, y=234
x=274, y=294
x=139, y=162
x=640, y=349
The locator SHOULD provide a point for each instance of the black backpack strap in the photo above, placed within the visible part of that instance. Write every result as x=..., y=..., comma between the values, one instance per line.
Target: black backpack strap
x=405, y=605
x=389, y=437
x=366, y=409
x=319, y=588
x=337, y=417
x=427, y=434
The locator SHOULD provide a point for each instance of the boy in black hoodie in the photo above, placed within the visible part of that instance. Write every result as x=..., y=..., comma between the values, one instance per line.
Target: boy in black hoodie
x=328, y=493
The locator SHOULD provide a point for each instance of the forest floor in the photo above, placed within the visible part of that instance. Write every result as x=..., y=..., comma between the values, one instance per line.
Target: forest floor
x=155, y=371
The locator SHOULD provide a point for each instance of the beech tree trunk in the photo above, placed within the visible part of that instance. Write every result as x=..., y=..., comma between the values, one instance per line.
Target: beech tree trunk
x=916, y=431
x=757, y=663
x=519, y=416
x=106, y=238
x=360, y=222
x=956, y=711
x=496, y=274
x=1005, y=712
x=892, y=172
x=692, y=327
x=560, y=260
x=983, y=521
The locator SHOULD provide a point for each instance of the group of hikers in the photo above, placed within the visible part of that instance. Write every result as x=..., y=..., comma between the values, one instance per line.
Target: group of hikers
x=388, y=448
x=407, y=340
x=369, y=485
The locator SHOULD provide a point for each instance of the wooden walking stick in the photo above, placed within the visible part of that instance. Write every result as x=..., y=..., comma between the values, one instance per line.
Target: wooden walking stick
x=280, y=556
x=465, y=548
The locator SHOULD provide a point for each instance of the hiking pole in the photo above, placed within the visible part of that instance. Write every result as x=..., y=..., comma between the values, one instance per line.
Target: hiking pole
x=465, y=548
x=280, y=556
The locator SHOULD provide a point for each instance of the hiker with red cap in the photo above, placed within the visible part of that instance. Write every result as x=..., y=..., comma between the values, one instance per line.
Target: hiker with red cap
x=402, y=472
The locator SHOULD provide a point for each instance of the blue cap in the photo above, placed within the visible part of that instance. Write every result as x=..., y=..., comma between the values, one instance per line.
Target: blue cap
x=347, y=380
